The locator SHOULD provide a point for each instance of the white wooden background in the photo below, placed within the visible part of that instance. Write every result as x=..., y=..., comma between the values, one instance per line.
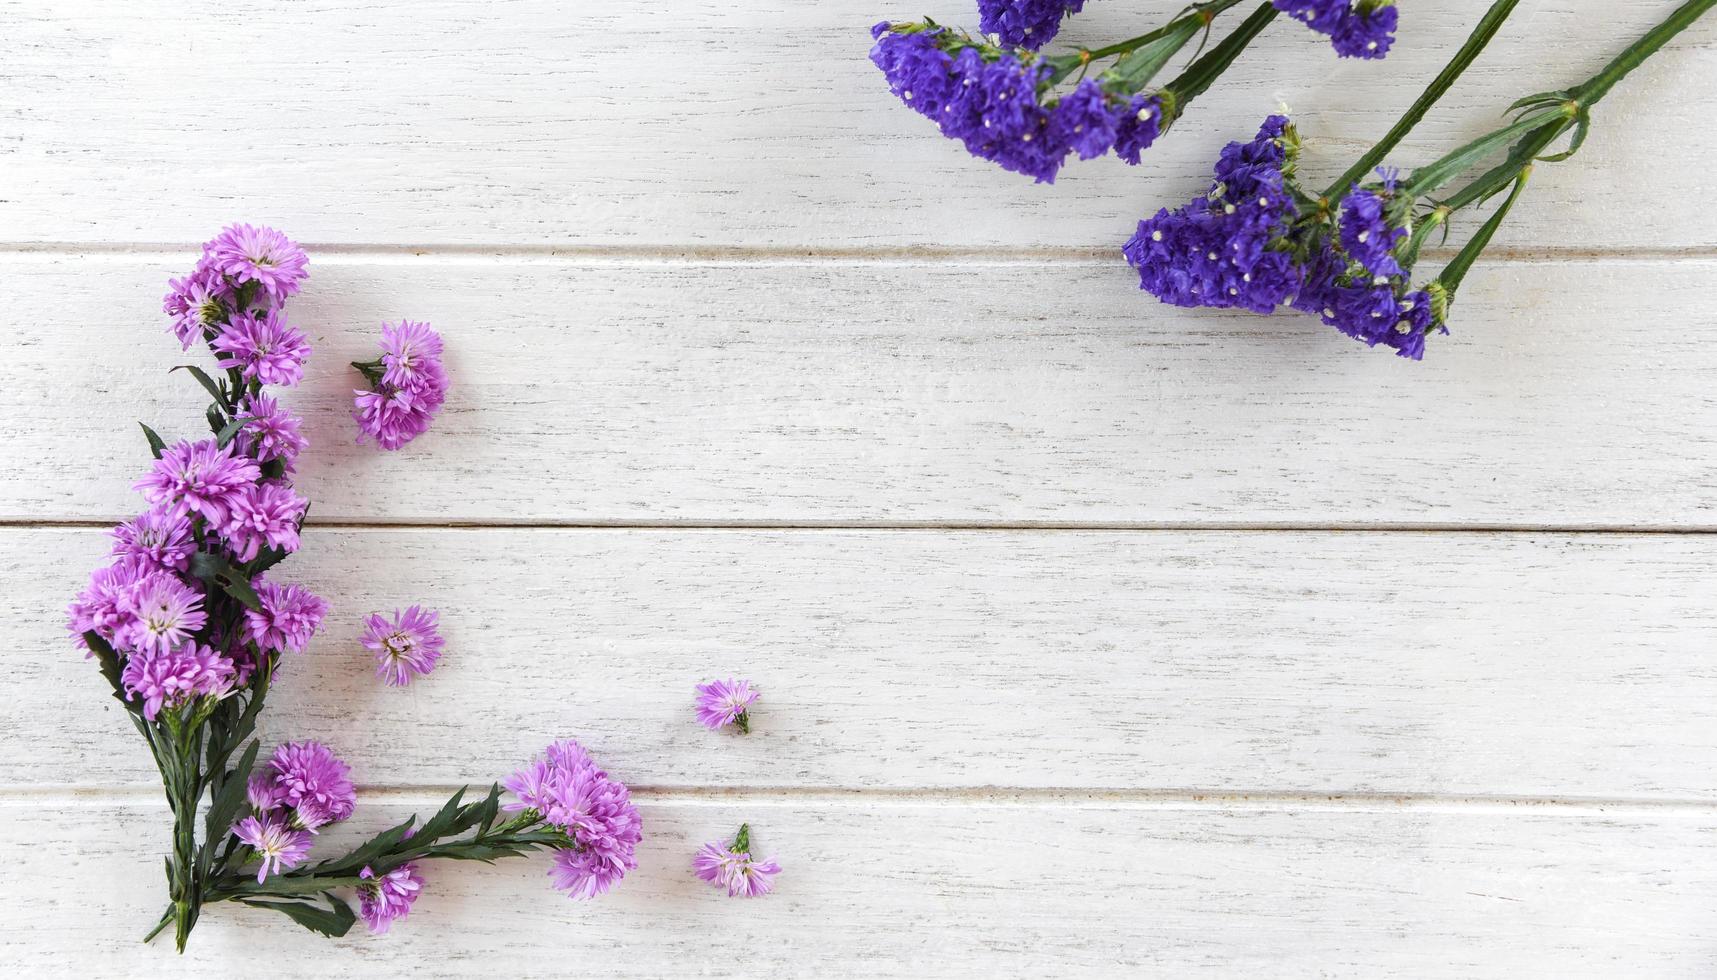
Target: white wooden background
x=1096, y=638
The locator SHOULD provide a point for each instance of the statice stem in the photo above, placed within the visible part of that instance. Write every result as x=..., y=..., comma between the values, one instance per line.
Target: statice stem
x=1599, y=85
x=1198, y=15
x=1201, y=74
x=1481, y=35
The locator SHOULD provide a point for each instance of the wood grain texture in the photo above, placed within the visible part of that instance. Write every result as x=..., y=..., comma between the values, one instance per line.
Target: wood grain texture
x=1492, y=665
x=1573, y=394
x=760, y=124
x=919, y=890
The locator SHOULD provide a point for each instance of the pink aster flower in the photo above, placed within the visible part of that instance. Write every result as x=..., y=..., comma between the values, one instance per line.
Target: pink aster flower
x=162, y=613
x=266, y=349
x=280, y=846
x=406, y=646
x=271, y=433
x=383, y=899
x=411, y=355
x=198, y=476
x=103, y=607
x=170, y=678
x=593, y=809
x=261, y=255
x=197, y=304
x=734, y=868
x=158, y=539
x=313, y=782
x=263, y=514
x=723, y=703
x=289, y=617
x=393, y=416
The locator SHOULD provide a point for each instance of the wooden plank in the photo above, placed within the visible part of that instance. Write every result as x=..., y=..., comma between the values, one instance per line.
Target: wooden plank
x=908, y=889
x=1573, y=394
x=635, y=125
x=1471, y=664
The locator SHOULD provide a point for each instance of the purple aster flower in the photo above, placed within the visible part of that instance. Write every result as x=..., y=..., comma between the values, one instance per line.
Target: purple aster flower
x=266, y=349
x=158, y=539
x=280, y=846
x=170, y=678
x=103, y=607
x=313, y=782
x=393, y=416
x=289, y=617
x=261, y=255
x=593, y=809
x=264, y=791
x=406, y=646
x=383, y=899
x=733, y=867
x=162, y=612
x=726, y=702
x=411, y=355
x=263, y=514
x=271, y=433
x=1025, y=23
x=1358, y=29
x=197, y=304
x=198, y=476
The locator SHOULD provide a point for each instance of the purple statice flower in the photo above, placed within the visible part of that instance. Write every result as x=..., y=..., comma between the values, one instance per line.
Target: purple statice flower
x=1378, y=313
x=1356, y=29
x=406, y=646
x=411, y=355
x=198, y=476
x=261, y=255
x=1086, y=121
x=1139, y=125
x=565, y=786
x=1222, y=249
x=171, y=677
x=733, y=867
x=289, y=617
x=266, y=348
x=726, y=702
x=158, y=539
x=1367, y=236
x=197, y=304
x=383, y=899
x=272, y=432
x=313, y=783
x=263, y=514
x=1025, y=23
x=162, y=612
x=277, y=842
x=103, y=607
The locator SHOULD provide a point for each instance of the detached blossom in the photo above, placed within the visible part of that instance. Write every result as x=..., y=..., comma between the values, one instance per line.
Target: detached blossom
x=732, y=867
x=265, y=348
x=170, y=678
x=381, y=900
x=593, y=809
x=158, y=539
x=726, y=702
x=289, y=617
x=408, y=386
x=263, y=514
x=162, y=612
x=1025, y=23
x=406, y=646
x=200, y=477
x=260, y=255
x=280, y=846
x=411, y=355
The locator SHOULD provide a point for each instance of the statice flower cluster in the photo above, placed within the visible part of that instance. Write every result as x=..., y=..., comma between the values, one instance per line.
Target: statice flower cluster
x=732, y=867
x=1026, y=24
x=406, y=646
x=301, y=789
x=568, y=791
x=1248, y=243
x=995, y=102
x=408, y=385
x=726, y=702
x=1356, y=28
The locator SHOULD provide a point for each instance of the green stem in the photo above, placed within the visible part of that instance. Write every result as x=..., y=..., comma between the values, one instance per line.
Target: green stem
x=1201, y=74
x=1456, y=270
x=1599, y=85
x=1199, y=15
x=1481, y=35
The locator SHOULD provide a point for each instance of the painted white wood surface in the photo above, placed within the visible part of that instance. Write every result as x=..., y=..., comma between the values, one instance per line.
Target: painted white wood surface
x=1472, y=665
x=914, y=889
x=1574, y=393
x=709, y=123
x=757, y=292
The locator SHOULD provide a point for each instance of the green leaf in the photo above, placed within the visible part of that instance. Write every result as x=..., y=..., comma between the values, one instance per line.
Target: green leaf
x=219, y=392
x=224, y=809
x=216, y=420
x=232, y=430
x=441, y=824
x=156, y=446
x=108, y=659
x=372, y=849
x=216, y=570
x=334, y=921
